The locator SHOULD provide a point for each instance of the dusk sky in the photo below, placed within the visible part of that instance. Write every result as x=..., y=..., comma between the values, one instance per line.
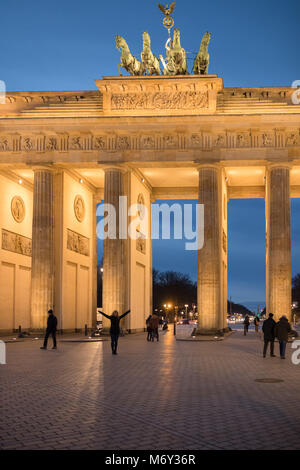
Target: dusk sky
x=66, y=45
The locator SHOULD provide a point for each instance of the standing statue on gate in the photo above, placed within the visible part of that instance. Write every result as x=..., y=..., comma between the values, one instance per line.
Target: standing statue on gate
x=176, y=57
x=128, y=61
x=202, y=60
x=150, y=61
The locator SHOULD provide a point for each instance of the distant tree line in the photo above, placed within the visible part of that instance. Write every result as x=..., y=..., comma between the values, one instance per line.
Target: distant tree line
x=174, y=288
x=177, y=289
x=237, y=308
x=296, y=288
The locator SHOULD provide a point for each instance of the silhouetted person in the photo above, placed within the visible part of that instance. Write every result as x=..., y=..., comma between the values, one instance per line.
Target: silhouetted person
x=282, y=330
x=115, y=328
x=149, y=329
x=246, y=324
x=51, y=329
x=268, y=329
x=256, y=323
x=154, y=323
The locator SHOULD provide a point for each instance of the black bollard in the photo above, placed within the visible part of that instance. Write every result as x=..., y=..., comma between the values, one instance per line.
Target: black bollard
x=174, y=328
x=20, y=334
x=86, y=330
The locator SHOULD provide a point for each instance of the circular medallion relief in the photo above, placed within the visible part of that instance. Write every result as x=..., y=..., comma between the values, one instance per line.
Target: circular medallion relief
x=18, y=209
x=79, y=208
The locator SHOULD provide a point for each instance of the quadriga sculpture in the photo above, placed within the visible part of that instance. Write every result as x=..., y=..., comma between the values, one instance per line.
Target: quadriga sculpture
x=128, y=61
x=176, y=57
x=150, y=61
x=202, y=60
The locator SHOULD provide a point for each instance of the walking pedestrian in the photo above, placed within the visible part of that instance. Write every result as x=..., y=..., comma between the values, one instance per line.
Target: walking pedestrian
x=246, y=324
x=282, y=330
x=256, y=323
x=154, y=323
x=115, y=328
x=51, y=329
x=268, y=329
x=149, y=329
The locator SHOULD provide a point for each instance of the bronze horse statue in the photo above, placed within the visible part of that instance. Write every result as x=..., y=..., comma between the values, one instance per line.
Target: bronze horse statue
x=202, y=60
x=176, y=57
x=128, y=61
x=150, y=61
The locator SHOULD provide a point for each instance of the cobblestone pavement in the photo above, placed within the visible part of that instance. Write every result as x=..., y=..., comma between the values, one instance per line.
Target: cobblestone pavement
x=166, y=395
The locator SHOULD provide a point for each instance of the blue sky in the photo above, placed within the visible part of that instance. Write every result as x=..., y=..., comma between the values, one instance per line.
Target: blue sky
x=66, y=45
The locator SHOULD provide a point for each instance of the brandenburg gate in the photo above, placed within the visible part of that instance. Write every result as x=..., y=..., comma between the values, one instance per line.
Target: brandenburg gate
x=183, y=137
x=147, y=137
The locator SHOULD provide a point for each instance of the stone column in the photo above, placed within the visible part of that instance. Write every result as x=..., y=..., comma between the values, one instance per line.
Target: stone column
x=42, y=276
x=278, y=241
x=209, y=257
x=114, y=249
x=96, y=201
x=152, y=200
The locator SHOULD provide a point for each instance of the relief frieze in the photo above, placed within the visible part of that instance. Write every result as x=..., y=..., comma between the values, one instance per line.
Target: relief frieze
x=170, y=140
x=16, y=243
x=78, y=243
x=160, y=100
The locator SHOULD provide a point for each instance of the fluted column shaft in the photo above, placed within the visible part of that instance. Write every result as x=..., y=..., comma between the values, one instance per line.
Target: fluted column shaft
x=278, y=224
x=42, y=277
x=114, y=249
x=209, y=256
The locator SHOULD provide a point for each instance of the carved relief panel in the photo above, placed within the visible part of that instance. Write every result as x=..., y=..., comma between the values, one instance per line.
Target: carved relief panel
x=16, y=243
x=79, y=208
x=18, y=209
x=78, y=243
x=141, y=241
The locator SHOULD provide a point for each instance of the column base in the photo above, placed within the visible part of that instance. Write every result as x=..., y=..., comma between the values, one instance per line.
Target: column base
x=212, y=332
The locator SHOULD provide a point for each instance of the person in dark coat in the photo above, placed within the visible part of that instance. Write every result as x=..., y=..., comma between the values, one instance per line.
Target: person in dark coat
x=149, y=329
x=246, y=324
x=115, y=328
x=256, y=323
x=268, y=329
x=51, y=329
x=282, y=330
x=154, y=323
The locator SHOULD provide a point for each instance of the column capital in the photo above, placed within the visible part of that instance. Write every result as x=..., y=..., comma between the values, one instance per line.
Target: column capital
x=209, y=166
x=43, y=167
x=122, y=168
x=278, y=166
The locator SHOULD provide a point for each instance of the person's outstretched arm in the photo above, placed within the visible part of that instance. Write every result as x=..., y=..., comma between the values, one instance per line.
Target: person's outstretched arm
x=124, y=314
x=107, y=316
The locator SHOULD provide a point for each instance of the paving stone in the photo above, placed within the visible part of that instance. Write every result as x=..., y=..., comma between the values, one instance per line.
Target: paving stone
x=166, y=395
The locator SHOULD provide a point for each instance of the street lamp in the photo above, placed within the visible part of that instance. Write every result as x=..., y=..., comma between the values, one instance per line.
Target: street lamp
x=167, y=308
x=186, y=311
x=194, y=311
